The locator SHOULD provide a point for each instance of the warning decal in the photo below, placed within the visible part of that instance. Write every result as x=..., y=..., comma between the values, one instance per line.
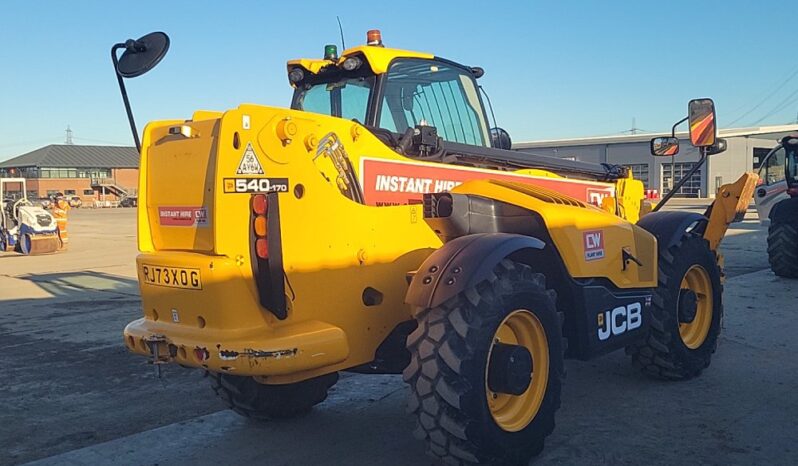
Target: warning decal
x=249, y=164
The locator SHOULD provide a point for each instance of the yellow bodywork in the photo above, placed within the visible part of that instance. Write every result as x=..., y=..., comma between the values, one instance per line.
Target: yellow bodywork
x=730, y=205
x=333, y=248
x=569, y=220
x=377, y=58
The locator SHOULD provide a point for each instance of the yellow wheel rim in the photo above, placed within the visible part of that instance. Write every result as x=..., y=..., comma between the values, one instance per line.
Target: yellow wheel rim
x=514, y=412
x=695, y=333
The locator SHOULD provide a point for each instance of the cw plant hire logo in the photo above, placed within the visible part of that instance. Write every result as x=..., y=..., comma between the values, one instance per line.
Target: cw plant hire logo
x=594, y=245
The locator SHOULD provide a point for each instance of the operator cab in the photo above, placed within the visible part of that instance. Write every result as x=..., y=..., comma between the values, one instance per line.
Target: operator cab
x=422, y=106
x=778, y=177
x=790, y=144
x=395, y=90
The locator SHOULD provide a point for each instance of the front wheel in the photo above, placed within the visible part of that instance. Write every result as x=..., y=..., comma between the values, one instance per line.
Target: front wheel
x=25, y=244
x=686, y=313
x=249, y=398
x=486, y=369
x=783, y=249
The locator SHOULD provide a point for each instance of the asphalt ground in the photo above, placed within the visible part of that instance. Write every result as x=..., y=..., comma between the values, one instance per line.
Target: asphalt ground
x=71, y=394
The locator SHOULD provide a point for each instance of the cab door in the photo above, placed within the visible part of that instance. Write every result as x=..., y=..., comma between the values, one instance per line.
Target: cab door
x=773, y=186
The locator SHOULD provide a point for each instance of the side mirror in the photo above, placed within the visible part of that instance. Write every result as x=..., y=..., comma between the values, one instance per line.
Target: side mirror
x=500, y=139
x=718, y=147
x=138, y=57
x=142, y=55
x=664, y=146
x=791, y=140
x=703, y=125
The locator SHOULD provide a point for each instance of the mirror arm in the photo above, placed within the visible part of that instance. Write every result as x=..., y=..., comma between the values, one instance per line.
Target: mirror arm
x=124, y=94
x=673, y=129
x=490, y=106
x=681, y=182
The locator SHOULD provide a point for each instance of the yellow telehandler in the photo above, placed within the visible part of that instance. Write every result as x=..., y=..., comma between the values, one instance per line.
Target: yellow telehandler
x=380, y=225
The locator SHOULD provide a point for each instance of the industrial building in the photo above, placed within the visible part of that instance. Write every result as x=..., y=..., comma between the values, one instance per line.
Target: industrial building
x=746, y=148
x=93, y=173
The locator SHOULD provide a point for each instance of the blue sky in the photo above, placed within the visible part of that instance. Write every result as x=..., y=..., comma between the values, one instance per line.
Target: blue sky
x=553, y=69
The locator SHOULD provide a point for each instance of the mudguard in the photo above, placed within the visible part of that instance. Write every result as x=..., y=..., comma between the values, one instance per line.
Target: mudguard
x=462, y=263
x=785, y=211
x=669, y=226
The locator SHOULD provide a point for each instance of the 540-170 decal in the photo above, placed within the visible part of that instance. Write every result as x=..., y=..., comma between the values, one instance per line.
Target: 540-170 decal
x=255, y=185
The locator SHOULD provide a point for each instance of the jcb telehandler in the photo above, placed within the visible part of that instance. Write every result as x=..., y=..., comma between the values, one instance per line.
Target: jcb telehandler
x=777, y=201
x=380, y=226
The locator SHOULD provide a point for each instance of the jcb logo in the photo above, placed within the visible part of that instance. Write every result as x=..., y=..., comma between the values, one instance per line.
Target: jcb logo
x=255, y=185
x=619, y=320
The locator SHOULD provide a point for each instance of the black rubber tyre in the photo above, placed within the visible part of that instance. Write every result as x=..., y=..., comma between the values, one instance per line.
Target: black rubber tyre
x=449, y=354
x=663, y=353
x=783, y=249
x=25, y=244
x=251, y=399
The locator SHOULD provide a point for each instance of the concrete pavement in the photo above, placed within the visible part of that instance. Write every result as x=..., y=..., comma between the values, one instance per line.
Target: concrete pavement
x=74, y=395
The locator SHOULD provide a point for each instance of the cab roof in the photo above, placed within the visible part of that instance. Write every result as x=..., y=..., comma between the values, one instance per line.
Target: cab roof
x=378, y=58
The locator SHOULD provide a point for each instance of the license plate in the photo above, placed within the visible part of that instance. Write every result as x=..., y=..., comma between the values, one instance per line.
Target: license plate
x=172, y=277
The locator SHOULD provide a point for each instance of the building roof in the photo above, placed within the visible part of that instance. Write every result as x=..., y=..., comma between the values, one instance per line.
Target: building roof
x=645, y=137
x=75, y=156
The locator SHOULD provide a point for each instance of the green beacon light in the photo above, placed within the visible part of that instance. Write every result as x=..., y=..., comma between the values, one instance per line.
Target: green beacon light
x=330, y=52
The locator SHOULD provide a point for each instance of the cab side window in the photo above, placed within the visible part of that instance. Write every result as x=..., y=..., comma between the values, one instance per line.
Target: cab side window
x=772, y=170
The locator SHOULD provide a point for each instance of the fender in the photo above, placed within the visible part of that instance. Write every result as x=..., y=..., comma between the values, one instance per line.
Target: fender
x=669, y=226
x=462, y=263
x=785, y=211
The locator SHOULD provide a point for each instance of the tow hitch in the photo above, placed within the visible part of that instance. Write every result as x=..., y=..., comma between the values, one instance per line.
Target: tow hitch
x=161, y=351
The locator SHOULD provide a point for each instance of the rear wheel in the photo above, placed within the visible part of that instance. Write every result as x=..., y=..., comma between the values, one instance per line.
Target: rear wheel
x=783, y=249
x=255, y=400
x=686, y=313
x=25, y=244
x=486, y=369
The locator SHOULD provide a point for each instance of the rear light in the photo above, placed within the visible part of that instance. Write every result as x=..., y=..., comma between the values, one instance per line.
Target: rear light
x=260, y=207
x=262, y=248
x=352, y=63
x=793, y=192
x=259, y=204
x=260, y=226
x=266, y=253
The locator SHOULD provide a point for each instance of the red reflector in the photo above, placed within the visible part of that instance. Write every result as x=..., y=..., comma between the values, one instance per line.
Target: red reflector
x=201, y=354
x=259, y=204
x=374, y=37
x=262, y=248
